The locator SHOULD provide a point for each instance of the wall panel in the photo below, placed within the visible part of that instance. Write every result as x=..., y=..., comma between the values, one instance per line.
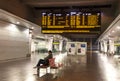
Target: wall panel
x=14, y=41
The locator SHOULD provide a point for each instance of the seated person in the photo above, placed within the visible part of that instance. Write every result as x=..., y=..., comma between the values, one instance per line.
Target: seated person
x=44, y=61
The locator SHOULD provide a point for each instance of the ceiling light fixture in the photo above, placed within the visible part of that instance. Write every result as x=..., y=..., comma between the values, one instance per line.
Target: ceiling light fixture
x=113, y=31
x=18, y=22
x=118, y=27
x=32, y=27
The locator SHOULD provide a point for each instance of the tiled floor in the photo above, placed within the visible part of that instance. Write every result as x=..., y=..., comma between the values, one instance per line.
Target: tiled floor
x=76, y=68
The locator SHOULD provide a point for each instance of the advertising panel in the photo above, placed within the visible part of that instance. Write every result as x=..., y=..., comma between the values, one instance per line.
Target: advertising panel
x=78, y=48
x=81, y=48
x=71, y=48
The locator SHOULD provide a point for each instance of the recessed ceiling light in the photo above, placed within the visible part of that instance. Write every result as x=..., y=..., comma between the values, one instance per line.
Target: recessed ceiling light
x=32, y=27
x=18, y=22
x=118, y=27
x=113, y=31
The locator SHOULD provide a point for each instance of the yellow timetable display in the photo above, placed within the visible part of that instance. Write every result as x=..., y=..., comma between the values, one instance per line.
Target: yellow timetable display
x=73, y=22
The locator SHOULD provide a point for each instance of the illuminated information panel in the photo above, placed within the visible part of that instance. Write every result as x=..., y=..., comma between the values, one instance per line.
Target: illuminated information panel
x=73, y=22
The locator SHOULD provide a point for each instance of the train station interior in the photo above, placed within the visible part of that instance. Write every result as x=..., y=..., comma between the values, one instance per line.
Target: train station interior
x=83, y=37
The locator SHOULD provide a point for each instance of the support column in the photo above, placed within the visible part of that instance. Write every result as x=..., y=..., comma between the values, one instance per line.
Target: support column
x=111, y=47
x=50, y=43
x=60, y=45
x=30, y=41
x=91, y=45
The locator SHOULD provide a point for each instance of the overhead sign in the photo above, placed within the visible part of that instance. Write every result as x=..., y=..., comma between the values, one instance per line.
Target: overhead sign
x=73, y=22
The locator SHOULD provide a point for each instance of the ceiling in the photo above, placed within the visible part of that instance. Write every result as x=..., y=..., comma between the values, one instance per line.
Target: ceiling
x=108, y=9
x=112, y=32
x=49, y=3
x=106, y=6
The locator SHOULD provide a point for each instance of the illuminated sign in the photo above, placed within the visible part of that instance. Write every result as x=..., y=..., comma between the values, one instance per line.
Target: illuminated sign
x=73, y=22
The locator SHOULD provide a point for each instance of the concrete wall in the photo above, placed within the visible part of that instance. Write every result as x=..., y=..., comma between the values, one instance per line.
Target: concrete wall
x=14, y=41
x=16, y=7
x=117, y=10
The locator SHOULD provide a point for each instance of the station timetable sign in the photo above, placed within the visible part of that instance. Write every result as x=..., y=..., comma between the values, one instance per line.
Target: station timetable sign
x=73, y=22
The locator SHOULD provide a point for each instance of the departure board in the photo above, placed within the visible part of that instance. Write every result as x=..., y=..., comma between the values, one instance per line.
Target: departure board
x=73, y=22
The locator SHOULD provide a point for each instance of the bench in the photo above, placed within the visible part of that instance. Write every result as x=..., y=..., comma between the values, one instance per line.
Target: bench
x=43, y=67
x=52, y=65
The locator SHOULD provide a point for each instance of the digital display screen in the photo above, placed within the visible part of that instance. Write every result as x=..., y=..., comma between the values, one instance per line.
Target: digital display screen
x=73, y=22
x=82, y=45
x=72, y=45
